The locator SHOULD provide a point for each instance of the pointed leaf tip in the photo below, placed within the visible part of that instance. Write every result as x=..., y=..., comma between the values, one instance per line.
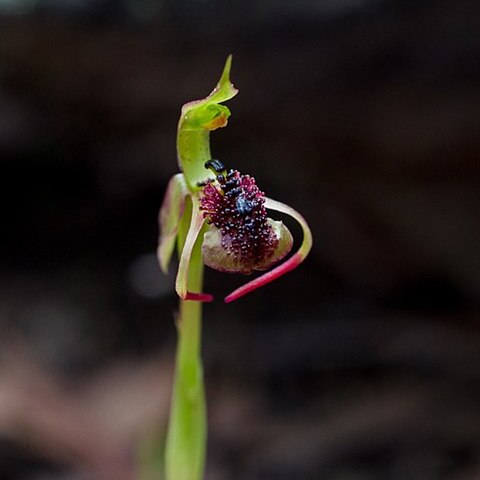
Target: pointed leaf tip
x=224, y=89
x=226, y=70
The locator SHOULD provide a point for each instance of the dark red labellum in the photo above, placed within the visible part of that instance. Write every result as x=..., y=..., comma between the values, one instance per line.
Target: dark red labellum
x=235, y=205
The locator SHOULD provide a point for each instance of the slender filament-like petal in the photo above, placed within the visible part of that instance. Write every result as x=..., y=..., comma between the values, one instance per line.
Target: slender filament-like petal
x=293, y=262
x=181, y=284
x=169, y=218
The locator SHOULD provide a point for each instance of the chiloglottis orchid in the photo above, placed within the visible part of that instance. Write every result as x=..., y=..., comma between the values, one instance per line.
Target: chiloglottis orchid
x=223, y=209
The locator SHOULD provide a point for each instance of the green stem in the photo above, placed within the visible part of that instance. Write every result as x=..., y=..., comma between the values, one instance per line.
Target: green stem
x=187, y=430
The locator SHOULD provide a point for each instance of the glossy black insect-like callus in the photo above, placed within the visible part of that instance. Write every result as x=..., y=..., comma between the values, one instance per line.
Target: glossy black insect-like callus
x=215, y=165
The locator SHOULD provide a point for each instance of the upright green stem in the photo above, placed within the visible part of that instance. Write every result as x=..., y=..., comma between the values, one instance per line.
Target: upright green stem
x=187, y=430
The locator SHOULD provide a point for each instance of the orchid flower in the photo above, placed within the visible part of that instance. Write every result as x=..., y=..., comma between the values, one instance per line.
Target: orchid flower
x=215, y=217
x=228, y=210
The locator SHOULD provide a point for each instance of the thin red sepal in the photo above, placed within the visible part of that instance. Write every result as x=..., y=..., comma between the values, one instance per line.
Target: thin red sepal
x=198, y=297
x=292, y=263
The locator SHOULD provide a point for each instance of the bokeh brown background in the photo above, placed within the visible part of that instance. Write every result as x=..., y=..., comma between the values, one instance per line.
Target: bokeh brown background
x=363, y=364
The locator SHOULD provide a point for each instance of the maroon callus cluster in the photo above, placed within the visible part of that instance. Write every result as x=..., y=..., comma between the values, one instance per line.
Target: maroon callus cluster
x=235, y=206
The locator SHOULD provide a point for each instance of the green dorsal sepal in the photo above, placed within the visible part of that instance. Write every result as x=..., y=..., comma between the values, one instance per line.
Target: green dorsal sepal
x=197, y=120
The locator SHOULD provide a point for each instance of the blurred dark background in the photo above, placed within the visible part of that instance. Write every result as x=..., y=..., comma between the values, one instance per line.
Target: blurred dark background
x=364, y=115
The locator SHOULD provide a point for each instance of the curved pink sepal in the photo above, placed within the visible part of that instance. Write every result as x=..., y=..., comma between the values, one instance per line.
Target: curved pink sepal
x=181, y=283
x=284, y=267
